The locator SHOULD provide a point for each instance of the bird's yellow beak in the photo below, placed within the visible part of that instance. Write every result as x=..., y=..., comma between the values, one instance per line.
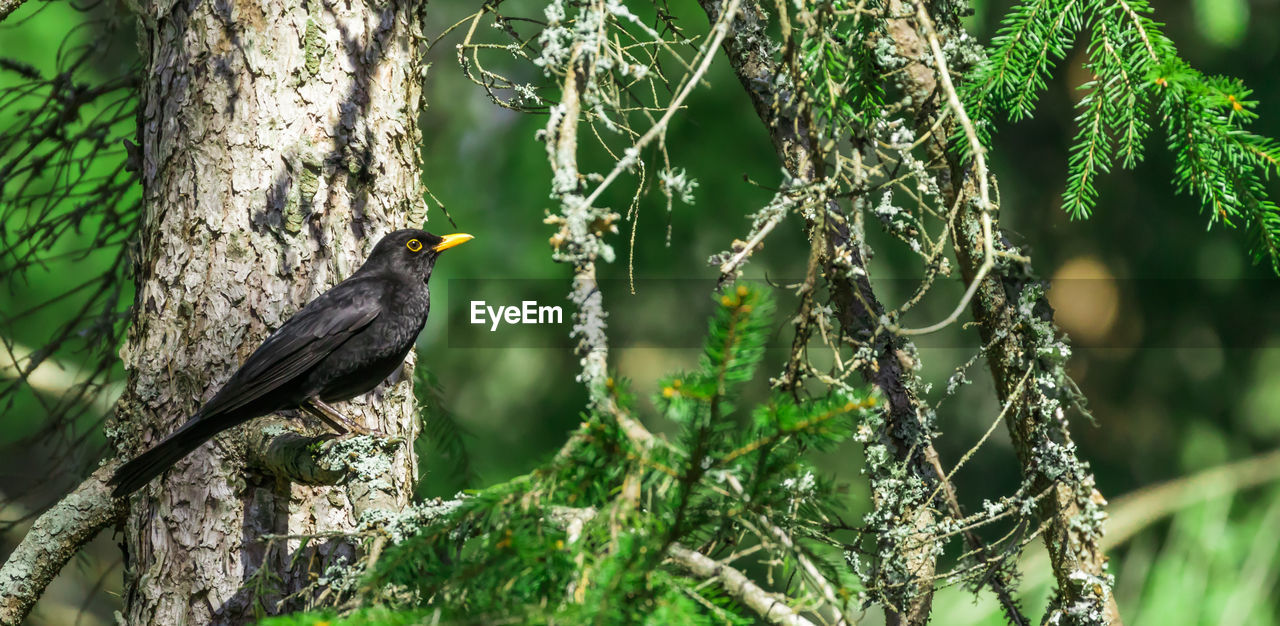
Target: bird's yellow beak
x=449, y=241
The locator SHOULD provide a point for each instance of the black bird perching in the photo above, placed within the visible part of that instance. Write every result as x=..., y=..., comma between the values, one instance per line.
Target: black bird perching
x=340, y=345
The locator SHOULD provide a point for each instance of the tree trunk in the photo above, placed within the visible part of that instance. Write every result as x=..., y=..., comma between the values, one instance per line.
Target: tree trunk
x=279, y=143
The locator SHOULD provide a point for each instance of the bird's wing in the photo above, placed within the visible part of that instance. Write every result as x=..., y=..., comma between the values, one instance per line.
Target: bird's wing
x=303, y=341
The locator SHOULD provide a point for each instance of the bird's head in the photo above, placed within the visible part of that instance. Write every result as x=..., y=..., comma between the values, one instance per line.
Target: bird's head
x=412, y=251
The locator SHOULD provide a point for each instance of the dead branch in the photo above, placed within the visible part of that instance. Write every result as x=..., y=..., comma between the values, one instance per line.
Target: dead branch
x=1074, y=510
x=293, y=456
x=770, y=87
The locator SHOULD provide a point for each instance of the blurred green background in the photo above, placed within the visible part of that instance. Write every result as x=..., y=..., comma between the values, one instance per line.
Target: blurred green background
x=1177, y=341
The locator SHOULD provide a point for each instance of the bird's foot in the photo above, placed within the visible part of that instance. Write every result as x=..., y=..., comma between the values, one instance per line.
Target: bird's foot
x=337, y=421
x=345, y=428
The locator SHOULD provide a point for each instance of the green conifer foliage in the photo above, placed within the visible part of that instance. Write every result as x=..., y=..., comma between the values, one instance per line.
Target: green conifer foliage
x=588, y=537
x=1139, y=83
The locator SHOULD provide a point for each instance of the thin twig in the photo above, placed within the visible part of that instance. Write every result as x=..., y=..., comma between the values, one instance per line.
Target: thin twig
x=811, y=571
x=772, y=607
x=980, y=173
x=708, y=55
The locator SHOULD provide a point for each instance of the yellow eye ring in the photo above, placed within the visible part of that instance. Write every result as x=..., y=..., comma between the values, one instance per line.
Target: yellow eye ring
x=414, y=245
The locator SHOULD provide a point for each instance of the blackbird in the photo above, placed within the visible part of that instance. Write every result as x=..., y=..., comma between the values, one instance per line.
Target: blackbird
x=341, y=345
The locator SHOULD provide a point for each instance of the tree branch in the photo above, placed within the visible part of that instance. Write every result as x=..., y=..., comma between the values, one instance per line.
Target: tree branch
x=323, y=460
x=770, y=606
x=9, y=6
x=59, y=533
x=55, y=537
x=773, y=607
x=293, y=456
x=1074, y=508
x=773, y=92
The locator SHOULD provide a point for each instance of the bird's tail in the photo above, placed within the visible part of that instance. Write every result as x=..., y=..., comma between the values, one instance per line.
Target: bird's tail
x=133, y=475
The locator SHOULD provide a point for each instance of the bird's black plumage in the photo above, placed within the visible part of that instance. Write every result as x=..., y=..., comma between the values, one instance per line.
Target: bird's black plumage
x=340, y=345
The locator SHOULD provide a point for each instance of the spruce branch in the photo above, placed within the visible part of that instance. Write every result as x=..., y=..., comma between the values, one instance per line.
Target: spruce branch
x=1091, y=155
x=812, y=575
x=608, y=516
x=1012, y=74
x=1134, y=66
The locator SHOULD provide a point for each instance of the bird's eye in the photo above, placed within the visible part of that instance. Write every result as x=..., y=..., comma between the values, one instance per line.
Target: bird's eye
x=414, y=245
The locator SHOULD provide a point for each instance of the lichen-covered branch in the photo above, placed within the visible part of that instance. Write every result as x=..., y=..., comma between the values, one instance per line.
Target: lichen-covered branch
x=1038, y=428
x=57, y=535
x=770, y=532
x=9, y=6
x=582, y=225
x=1015, y=320
x=908, y=557
x=772, y=607
x=581, y=229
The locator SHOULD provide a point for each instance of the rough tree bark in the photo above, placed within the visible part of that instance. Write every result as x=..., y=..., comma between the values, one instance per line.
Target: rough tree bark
x=279, y=142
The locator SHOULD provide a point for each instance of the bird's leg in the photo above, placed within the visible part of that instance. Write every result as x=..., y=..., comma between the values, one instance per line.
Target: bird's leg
x=329, y=415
